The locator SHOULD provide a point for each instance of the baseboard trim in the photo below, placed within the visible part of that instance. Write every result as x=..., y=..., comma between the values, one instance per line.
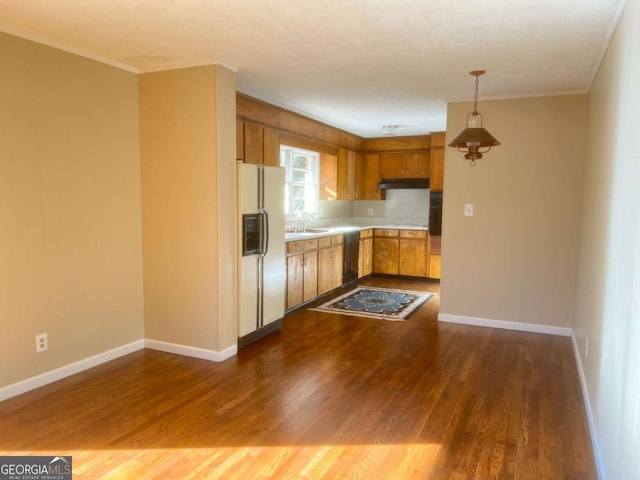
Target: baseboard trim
x=195, y=352
x=487, y=322
x=81, y=365
x=587, y=406
x=68, y=370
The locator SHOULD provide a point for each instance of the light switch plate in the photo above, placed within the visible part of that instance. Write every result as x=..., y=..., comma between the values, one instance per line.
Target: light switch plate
x=468, y=209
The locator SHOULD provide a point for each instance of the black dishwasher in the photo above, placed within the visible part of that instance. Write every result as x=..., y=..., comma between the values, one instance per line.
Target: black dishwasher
x=351, y=252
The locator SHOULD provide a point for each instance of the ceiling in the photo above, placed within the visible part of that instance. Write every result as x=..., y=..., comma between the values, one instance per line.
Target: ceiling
x=355, y=64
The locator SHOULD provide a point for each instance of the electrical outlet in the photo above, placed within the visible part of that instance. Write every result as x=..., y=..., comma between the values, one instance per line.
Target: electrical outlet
x=370, y=211
x=42, y=343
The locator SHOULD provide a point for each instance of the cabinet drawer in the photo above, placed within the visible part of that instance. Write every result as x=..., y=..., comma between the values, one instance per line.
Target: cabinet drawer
x=368, y=233
x=385, y=232
x=311, y=244
x=295, y=247
x=413, y=234
x=324, y=242
x=337, y=239
x=300, y=246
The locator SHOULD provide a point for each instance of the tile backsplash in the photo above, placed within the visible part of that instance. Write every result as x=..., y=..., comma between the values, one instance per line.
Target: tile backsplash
x=402, y=206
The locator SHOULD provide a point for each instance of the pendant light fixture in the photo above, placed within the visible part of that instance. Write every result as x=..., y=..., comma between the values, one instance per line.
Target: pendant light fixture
x=474, y=137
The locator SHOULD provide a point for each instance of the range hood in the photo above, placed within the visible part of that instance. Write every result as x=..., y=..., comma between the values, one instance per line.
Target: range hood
x=389, y=183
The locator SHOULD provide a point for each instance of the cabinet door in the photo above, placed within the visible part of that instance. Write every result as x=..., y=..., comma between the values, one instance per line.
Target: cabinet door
x=253, y=143
x=436, y=181
x=330, y=269
x=295, y=279
x=404, y=165
x=371, y=177
x=271, y=151
x=239, y=140
x=434, y=266
x=310, y=281
x=385, y=255
x=413, y=257
x=336, y=270
x=367, y=262
x=392, y=165
x=346, y=174
x=359, y=195
x=328, y=177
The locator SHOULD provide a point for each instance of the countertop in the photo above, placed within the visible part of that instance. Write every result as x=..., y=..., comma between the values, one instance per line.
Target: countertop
x=338, y=229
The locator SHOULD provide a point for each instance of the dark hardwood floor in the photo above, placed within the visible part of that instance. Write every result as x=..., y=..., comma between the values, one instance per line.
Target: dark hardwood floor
x=328, y=396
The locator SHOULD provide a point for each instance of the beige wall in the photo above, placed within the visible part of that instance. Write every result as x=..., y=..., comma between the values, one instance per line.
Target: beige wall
x=608, y=307
x=180, y=203
x=516, y=259
x=227, y=210
x=70, y=229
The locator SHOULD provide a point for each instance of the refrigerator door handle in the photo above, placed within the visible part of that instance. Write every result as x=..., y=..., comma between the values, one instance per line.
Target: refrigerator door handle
x=265, y=232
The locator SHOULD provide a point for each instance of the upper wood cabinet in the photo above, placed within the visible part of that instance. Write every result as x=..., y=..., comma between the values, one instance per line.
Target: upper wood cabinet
x=257, y=145
x=369, y=177
x=328, y=177
x=346, y=174
x=405, y=165
x=436, y=181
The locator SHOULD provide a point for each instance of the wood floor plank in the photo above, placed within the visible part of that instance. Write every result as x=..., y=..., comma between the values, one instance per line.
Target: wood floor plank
x=328, y=396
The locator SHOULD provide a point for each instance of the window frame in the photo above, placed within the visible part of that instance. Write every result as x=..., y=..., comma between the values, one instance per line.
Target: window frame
x=310, y=184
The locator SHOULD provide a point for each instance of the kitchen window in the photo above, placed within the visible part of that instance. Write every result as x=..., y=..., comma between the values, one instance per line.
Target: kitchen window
x=301, y=186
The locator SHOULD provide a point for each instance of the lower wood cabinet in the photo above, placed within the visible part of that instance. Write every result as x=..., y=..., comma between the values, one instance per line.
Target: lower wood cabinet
x=400, y=252
x=314, y=267
x=386, y=242
x=365, y=253
x=435, y=243
x=412, y=257
x=302, y=271
x=330, y=260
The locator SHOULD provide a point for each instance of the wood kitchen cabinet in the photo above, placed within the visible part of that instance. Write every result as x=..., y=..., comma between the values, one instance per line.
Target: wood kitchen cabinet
x=328, y=177
x=257, y=145
x=386, y=244
x=405, y=165
x=346, y=174
x=302, y=271
x=412, y=256
x=400, y=252
x=368, y=175
x=436, y=182
x=330, y=257
x=435, y=243
x=365, y=253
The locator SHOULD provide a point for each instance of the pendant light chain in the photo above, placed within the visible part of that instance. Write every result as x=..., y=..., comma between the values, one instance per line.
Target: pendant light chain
x=475, y=98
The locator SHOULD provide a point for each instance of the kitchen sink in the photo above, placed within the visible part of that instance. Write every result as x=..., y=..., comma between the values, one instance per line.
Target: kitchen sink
x=316, y=230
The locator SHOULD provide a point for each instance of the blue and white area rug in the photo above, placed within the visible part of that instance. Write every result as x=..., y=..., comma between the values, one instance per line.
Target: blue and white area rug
x=375, y=302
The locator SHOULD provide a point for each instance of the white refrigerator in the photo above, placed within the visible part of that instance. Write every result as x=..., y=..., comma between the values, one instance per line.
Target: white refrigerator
x=262, y=269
